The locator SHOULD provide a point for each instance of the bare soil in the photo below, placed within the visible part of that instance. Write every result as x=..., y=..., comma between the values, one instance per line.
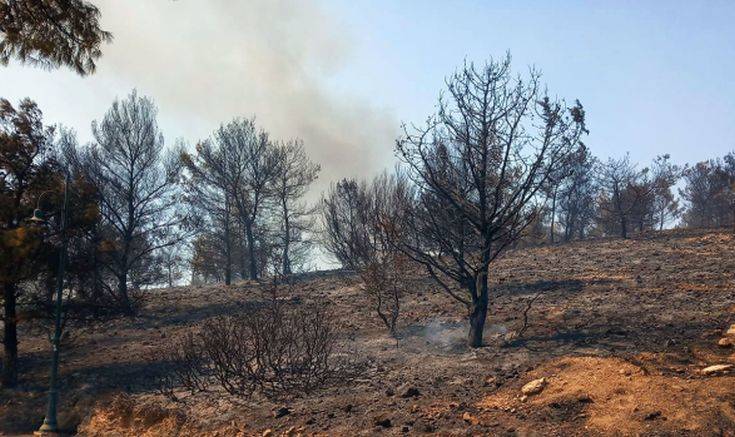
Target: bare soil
x=621, y=330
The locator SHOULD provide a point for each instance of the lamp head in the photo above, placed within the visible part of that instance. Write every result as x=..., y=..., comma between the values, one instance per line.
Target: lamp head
x=37, y=217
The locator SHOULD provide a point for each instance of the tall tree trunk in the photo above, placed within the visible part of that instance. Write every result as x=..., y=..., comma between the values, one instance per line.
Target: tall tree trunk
x=251, y=251
x=244, y=254
x=286, y=239
x=553, y=218
x=10, y=337
x=228, y=245
x=478, y=312
x=623, y=227
x=122, y=290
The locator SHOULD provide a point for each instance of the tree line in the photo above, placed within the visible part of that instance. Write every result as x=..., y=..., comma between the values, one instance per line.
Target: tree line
x=498, y=165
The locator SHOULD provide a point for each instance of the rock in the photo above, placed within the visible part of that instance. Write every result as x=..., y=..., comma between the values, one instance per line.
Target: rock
x=467, y=417
x=717, y=368
x=283, y=411
x=267, y=433
x=534, y=387
x=523, y=398
x=383, y=422
x=410, y=392
x=731, y=331
x=724, y=342
x=652, y=415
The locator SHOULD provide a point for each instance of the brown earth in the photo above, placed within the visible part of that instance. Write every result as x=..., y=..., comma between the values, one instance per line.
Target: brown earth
x=621, y=330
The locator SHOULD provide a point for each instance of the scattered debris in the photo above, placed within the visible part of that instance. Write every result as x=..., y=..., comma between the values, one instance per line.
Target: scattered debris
x=717, y=368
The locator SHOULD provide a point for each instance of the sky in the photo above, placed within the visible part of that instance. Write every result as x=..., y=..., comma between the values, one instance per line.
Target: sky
x=654, y=76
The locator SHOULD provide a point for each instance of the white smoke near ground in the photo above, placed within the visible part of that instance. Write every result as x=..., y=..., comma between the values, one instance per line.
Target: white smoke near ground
x=207, y=62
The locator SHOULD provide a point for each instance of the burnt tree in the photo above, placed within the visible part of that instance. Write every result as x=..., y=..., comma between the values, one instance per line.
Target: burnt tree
x=478, y=166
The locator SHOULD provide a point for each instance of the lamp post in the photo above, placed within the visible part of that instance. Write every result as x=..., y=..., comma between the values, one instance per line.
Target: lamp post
x=50, y=425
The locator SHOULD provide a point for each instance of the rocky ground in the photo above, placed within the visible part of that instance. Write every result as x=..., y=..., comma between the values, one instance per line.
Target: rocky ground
x=621, y=339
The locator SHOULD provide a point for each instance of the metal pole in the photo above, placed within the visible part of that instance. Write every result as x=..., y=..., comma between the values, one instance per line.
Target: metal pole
x=49, y=422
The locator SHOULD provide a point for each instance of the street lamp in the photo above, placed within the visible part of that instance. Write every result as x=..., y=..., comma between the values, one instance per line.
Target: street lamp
x=50, y=425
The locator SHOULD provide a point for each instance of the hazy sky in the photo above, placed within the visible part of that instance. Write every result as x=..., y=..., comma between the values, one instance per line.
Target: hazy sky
x=654, y=76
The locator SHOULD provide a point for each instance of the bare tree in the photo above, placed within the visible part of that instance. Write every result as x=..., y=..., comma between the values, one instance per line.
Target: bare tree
x=252, y=168
x=359, y=221
x=347, y=223
x=51, y=33
x=709, y=193
x=665, y=175
x=578, y=196
x=478, y=166
x=626, y=196
x=208, y=180
x=136, y=183
x=295, y=172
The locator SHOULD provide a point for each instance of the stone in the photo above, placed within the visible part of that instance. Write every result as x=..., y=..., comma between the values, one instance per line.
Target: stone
x=410, y=392
x=724, y=342
x=280, y=412
x=731, y=331
x=717, y=368
x=267, y=433
x=467, y=417
x=534, y=387
x=383, y=422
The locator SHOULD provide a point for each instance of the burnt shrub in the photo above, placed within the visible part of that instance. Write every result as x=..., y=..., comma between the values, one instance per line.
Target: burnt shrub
x=277, y=350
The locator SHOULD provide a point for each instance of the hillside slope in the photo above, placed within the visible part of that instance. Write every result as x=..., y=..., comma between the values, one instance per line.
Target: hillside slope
x=620, y=330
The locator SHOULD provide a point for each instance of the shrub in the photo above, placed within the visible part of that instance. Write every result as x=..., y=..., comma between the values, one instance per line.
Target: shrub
x=275, y=350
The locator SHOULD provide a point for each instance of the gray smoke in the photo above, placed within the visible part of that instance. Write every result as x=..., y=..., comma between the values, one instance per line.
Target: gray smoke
x=206, y=62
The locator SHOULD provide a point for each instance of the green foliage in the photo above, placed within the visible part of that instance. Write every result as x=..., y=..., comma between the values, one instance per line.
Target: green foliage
x=51, y=33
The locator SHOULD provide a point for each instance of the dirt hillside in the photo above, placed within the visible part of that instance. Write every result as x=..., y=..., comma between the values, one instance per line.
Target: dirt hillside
x=621, y=331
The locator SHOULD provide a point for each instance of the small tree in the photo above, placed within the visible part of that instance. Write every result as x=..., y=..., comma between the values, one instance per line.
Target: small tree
x=578, y=196
x=709, y=193
x=665, y=175
x=359, y=221
x=478, y=166
x=626, y=196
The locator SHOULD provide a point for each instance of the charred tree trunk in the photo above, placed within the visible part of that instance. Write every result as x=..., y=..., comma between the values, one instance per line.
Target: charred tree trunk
x=478, y=311
x=123, y=295
x=244, y=252
x=251, y=251
x=10, y=337
x=286, y=239
x=228, y=245
x=553, y=218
